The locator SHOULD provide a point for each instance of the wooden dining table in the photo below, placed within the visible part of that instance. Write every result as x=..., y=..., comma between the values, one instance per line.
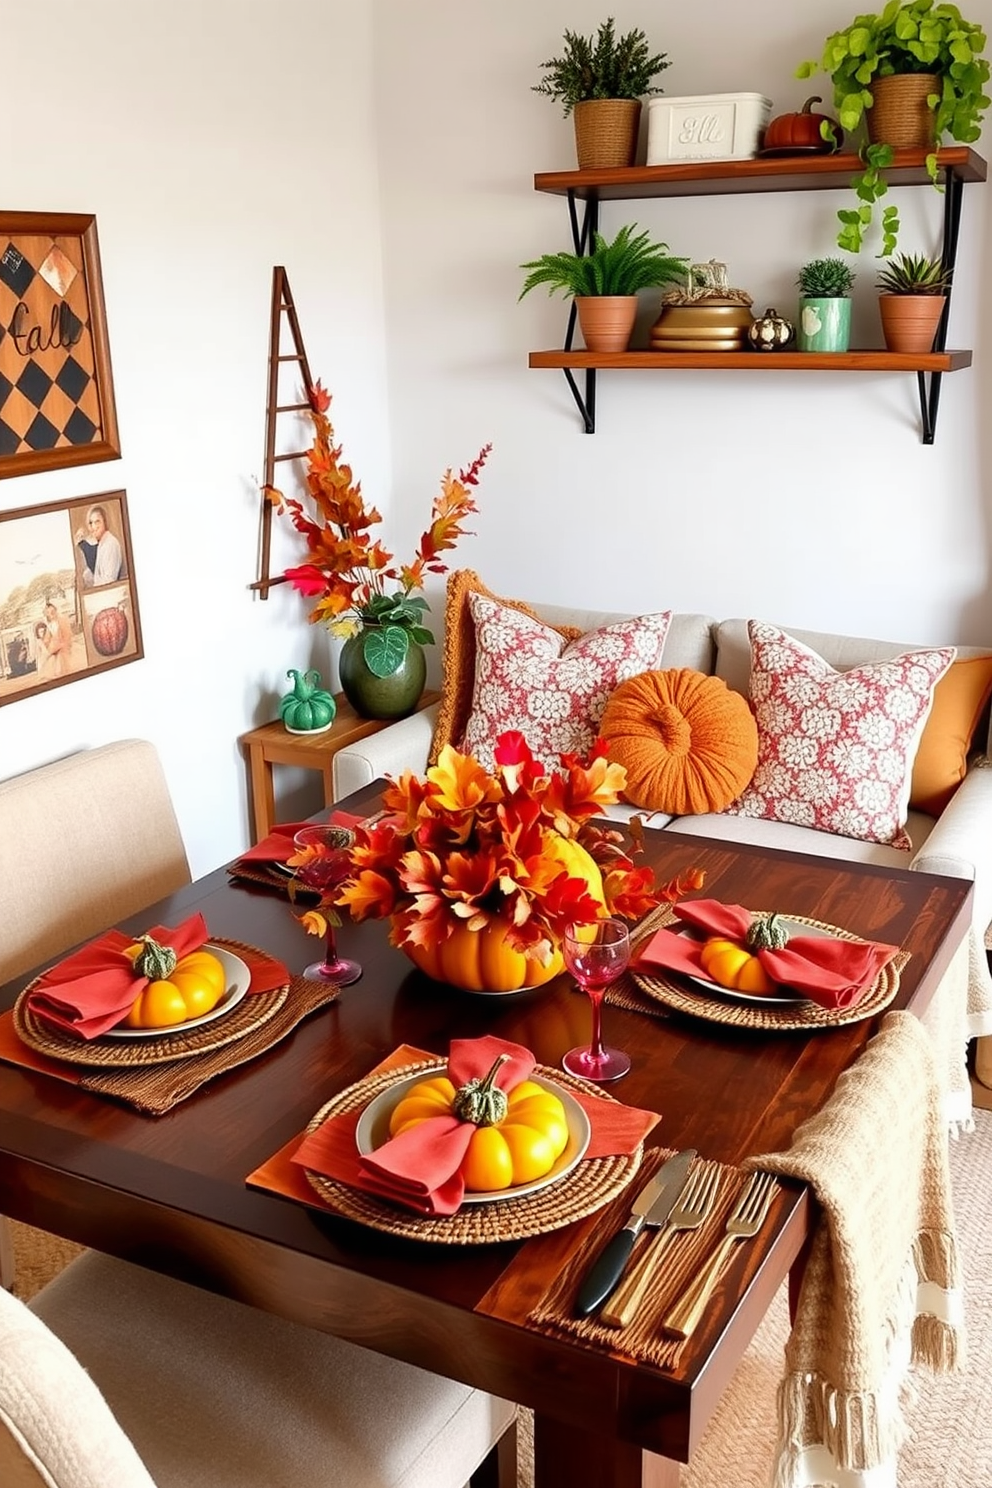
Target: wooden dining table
x=169, y=1192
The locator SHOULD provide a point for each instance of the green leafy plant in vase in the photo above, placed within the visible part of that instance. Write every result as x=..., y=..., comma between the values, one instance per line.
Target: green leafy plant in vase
x=605, y=282
x=600, y=81
x=914, y=290
x=941, y=52
x=824, y=323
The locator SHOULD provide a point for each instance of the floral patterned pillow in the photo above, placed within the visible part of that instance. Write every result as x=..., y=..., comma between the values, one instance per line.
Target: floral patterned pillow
x=836, y=749
x=528, y=678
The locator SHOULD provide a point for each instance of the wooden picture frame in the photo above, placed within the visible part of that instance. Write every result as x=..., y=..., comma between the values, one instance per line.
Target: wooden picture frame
x=56, y=388
x=68, y=603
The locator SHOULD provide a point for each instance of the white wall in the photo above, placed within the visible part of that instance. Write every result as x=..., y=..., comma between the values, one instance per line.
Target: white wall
x=807, y=499
x=384, y=153
x=212, y=139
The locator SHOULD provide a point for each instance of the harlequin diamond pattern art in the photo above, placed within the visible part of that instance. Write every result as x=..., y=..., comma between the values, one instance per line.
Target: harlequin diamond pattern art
x=49, y=398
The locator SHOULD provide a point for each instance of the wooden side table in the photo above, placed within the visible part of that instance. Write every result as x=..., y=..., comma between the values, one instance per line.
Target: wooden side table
x=272, y=745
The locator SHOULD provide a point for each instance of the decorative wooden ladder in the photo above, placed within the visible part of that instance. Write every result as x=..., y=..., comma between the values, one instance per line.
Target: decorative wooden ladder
x=282, y=305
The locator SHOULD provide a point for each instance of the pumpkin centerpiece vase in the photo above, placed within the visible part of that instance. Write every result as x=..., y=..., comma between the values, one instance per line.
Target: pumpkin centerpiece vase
x=482, y=872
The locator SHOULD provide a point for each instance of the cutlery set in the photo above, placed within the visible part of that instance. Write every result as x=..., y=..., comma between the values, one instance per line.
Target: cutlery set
x=678, y=1198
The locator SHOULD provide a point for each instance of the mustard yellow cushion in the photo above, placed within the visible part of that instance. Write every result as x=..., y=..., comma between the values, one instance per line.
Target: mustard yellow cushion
x=959, y=700
x=458, y=677
x=689, y=745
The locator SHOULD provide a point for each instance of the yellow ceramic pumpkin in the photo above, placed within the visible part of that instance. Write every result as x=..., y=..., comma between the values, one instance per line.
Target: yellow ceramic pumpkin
x=481, y=960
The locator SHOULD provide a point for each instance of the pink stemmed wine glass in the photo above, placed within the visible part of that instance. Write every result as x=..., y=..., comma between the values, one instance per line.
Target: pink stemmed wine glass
x=596, y=955
x=323, y=871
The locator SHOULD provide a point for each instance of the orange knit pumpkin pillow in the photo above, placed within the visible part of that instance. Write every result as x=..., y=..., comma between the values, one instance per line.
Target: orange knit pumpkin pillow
x=689, y=744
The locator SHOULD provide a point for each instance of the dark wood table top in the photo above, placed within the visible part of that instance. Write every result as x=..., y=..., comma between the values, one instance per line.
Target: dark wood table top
x=170, y=1192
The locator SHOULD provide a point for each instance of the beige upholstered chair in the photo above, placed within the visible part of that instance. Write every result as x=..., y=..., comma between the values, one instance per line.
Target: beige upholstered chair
x=116, y=1377
x=84, y=842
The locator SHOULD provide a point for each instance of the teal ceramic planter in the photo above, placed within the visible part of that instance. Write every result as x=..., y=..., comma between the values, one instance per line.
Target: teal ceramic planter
x=824, y=324
x=372, y=696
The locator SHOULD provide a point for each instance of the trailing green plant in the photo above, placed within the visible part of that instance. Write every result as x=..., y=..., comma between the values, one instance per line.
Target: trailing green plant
x=910, y=274
x=908, y=36
x=601, y=66
x=825, y=279
x=622, y=267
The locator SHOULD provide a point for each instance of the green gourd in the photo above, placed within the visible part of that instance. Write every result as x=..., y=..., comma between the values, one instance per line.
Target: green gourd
x=308, y=706
x=481, y=1101
x=766, y=933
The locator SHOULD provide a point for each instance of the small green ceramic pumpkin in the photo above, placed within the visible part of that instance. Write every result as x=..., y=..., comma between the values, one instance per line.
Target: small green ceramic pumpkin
x=308, y=706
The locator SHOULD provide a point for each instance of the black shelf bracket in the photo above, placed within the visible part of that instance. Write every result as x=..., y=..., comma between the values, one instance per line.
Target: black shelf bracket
x=582, y=232
x=930, y=390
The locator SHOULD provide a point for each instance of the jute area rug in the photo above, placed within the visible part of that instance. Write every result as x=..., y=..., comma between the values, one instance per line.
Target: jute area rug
x=950, y=1444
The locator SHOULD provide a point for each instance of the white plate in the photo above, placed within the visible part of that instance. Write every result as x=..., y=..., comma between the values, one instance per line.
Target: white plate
x=373, y=1130
x=238, y=980
x=754, y=998
x=278, y=867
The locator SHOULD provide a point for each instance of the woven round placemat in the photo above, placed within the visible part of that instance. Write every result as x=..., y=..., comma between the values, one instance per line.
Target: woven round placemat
x=585, y=1189
x=107, y=1053
x=671, y=991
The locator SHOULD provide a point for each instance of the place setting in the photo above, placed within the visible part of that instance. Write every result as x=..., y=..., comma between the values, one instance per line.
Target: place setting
x=756, y=968
x=267, y=862
x=481, y=1146
x=152, y=1018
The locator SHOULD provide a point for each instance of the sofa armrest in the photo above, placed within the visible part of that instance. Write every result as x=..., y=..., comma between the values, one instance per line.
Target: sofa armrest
x=960, y=844
x=401, y=746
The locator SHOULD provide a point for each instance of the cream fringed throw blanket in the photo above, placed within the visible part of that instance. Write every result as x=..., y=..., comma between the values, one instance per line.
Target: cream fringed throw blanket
x=881, y=1289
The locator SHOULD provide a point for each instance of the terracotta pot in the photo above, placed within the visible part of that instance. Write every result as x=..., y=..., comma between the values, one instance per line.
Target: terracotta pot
x=606, y=132
x=606, y=321
x=899, y=115
x=909, y=322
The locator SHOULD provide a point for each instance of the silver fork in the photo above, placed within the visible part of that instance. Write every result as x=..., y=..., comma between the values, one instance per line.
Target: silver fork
x=692, y=1208
x=748, y=1216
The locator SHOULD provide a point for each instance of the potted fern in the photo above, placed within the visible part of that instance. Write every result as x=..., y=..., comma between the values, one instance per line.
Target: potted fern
x=600, y=81
x=824, y=305
x=914, y=293
x=605, y=282
x=915, y=75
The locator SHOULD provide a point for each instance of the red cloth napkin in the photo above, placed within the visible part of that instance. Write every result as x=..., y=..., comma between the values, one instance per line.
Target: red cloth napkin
x=834, y=973
x=422, y=1174
x=278, y=845
x=93, y=989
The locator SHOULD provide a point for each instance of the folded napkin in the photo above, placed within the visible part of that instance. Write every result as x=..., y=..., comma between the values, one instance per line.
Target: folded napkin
x=93, y=989
x=278, y=845
x=834, y=973
x=419, y=1168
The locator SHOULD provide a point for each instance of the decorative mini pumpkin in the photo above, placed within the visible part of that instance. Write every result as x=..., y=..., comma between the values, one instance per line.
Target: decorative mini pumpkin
x=767, y=933
x=771, y=331
x=178, y=987
x=308, y=706
x=799, y=134
x=732, y=965
x=519, y=1134
x=110, y=631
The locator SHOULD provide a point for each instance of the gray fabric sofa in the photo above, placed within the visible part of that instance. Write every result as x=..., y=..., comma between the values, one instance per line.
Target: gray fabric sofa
x=958, y=843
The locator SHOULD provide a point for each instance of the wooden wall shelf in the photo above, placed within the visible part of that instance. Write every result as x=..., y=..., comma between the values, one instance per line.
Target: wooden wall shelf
x=956, y=165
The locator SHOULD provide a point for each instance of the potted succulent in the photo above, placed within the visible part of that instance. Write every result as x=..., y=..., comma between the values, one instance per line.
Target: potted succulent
x=824, y=305
x=605, y=282
x=916, y=75
x=914, y=293
x=600, y=81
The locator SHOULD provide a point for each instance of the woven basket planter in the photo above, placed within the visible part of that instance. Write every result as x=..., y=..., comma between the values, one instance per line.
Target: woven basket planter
x=606, y=132
x=900, y=115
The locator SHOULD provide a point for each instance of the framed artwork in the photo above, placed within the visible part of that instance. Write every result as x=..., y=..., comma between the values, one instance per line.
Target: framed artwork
x=56, y=390
x=68, y=604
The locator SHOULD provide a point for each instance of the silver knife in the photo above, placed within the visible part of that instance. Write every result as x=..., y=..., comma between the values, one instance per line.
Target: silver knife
x=652, y=1206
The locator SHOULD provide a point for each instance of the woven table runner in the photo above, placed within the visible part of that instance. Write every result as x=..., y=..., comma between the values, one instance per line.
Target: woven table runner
x=643, y=1338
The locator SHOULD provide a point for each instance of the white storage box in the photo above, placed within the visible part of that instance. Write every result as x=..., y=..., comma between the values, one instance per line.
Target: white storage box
x=709, y=126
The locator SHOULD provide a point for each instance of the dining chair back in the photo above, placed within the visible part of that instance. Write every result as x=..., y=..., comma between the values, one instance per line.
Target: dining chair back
x=84, y=842
x=118, y=1377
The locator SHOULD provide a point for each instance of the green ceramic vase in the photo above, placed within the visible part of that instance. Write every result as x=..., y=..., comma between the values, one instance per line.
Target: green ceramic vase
x=824, y=324
x=392, y=696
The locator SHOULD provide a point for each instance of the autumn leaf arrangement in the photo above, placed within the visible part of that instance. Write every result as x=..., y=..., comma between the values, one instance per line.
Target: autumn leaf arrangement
x=463, y=846
x=348, y=572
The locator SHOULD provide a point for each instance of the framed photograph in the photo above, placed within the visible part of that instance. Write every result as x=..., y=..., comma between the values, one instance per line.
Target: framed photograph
x=56, y=390
x=68, y=604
